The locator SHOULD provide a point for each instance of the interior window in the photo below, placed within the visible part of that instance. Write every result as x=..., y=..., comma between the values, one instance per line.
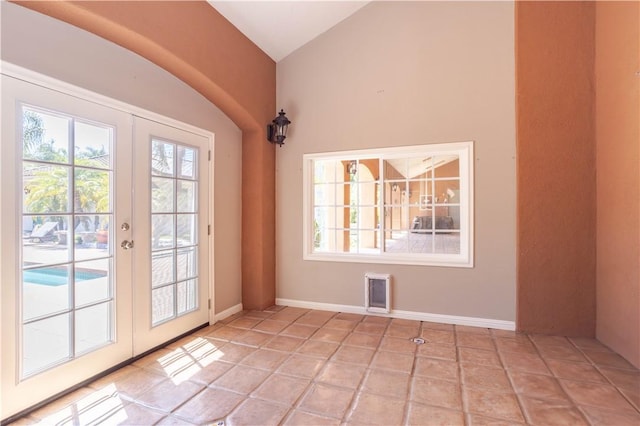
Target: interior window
x=403, y=205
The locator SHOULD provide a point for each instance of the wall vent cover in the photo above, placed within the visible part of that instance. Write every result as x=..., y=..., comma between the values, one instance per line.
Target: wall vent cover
x=377, y=289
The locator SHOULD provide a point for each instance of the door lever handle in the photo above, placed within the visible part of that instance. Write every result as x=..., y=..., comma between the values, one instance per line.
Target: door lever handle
x=126, y=244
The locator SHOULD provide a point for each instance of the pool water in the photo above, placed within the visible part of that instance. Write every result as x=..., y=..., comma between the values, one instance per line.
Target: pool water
x=57, y=276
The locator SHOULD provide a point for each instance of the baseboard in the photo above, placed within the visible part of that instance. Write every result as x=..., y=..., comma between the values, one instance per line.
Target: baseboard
x=417, y=316
x=228, y=312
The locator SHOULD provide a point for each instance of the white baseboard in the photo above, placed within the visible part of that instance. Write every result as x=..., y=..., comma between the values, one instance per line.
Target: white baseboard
x=228, y=312
x=417, y=316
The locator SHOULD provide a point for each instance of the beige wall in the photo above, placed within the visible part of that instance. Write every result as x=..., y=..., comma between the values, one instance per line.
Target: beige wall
x=67, y=53
x=618, y=178
x=399, y=74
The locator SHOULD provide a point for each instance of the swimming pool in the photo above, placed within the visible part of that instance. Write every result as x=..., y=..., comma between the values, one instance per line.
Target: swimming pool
x=57, y=276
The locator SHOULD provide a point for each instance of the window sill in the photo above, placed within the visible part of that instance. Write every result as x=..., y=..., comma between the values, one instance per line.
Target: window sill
x=457, y=261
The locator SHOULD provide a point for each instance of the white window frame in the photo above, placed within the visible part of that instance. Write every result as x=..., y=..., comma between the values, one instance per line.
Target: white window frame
x=464, y=259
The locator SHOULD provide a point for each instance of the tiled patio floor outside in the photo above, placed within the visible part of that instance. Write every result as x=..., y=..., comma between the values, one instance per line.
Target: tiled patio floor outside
x=297, y=366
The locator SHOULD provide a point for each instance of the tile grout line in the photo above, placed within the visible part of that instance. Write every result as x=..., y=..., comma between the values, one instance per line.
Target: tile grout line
x=365, y=374
x=557, y=379
x=312, y=382
x=463, y=397
x=599, y=370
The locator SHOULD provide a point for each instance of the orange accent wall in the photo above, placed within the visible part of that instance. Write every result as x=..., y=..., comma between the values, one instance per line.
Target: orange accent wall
x=194, y=42
x=556, y=174
x=618, y=186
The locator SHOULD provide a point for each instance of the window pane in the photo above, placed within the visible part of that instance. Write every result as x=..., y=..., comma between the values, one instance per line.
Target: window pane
x=420, y=242
x=346, y=217
x=45, y=137
x=162, y=195
x=395, y=168
x=162, y=304
x=162, y=158
x=162, y=231
x=368, y=242
x=324, y=217
x=91, y=240
x=367, y=170
x=92, y=281
x=367, y=218
x=45, y=343
x=46, y=188
x=91, y=191
x=324, y=194
x=395, y=241
x=446, y=166
x=45, y=291
x=187, y=296
x=186, y=263
x=320, y=238
x=326, y=171
x=162, y=268
x=44, y=240
x=93, y=327
x=447, y=243
x=186, y=229
x=187, y=193
x=92, y=145
x=187, y=161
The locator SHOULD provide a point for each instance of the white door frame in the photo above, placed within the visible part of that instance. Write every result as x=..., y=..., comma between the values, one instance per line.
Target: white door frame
x=38, y=79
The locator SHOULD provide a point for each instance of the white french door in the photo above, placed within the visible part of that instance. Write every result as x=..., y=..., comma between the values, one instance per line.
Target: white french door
x=103, y=239
x=171, y=235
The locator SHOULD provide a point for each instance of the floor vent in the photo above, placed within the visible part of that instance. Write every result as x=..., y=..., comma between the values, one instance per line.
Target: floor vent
x=377, y=289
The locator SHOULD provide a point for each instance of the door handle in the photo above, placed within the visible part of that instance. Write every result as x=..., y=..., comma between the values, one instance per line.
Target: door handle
x=126, y=244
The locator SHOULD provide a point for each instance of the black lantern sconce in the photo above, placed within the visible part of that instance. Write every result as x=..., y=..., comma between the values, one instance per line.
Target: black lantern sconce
x=277, y=130
x=353, y=167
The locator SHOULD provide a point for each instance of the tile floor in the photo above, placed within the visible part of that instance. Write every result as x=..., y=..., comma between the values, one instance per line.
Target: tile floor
x=306, y=367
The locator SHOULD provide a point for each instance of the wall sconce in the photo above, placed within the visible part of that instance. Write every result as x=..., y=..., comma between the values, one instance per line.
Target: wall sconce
x=277, y=130
x=353, y=167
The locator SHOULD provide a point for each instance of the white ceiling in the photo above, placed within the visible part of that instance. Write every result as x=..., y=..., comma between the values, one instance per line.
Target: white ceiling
x=280, y=27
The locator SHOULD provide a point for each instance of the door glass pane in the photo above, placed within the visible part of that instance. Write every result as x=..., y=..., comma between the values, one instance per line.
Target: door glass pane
x=45, y=343
x=162, y=267
x=186, y=196
x=162, y=158
x=92, y=145
x=174, y=230
x=92, y=327
x=187, y=261
x=186, y=229
x=45, y=136
x=162, y=231
x=91, y=240
x=187, y=296
x=67, y=260
x=92, y=281
x=91, y=191
x=46, y=188
x=187, y=162
x=162, y=304
x=45, y=291
x=162, y=194
x=44, y=240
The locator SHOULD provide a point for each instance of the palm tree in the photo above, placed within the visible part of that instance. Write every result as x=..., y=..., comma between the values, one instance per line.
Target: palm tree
x=32, y=133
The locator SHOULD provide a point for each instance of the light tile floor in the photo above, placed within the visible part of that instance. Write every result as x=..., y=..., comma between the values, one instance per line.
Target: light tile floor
x=306, y=367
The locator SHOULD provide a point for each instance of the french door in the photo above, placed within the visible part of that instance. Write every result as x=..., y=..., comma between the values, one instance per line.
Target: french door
x=103, y=239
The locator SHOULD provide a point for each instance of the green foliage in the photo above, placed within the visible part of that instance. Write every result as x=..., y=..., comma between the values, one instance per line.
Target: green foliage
x=47, y=187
